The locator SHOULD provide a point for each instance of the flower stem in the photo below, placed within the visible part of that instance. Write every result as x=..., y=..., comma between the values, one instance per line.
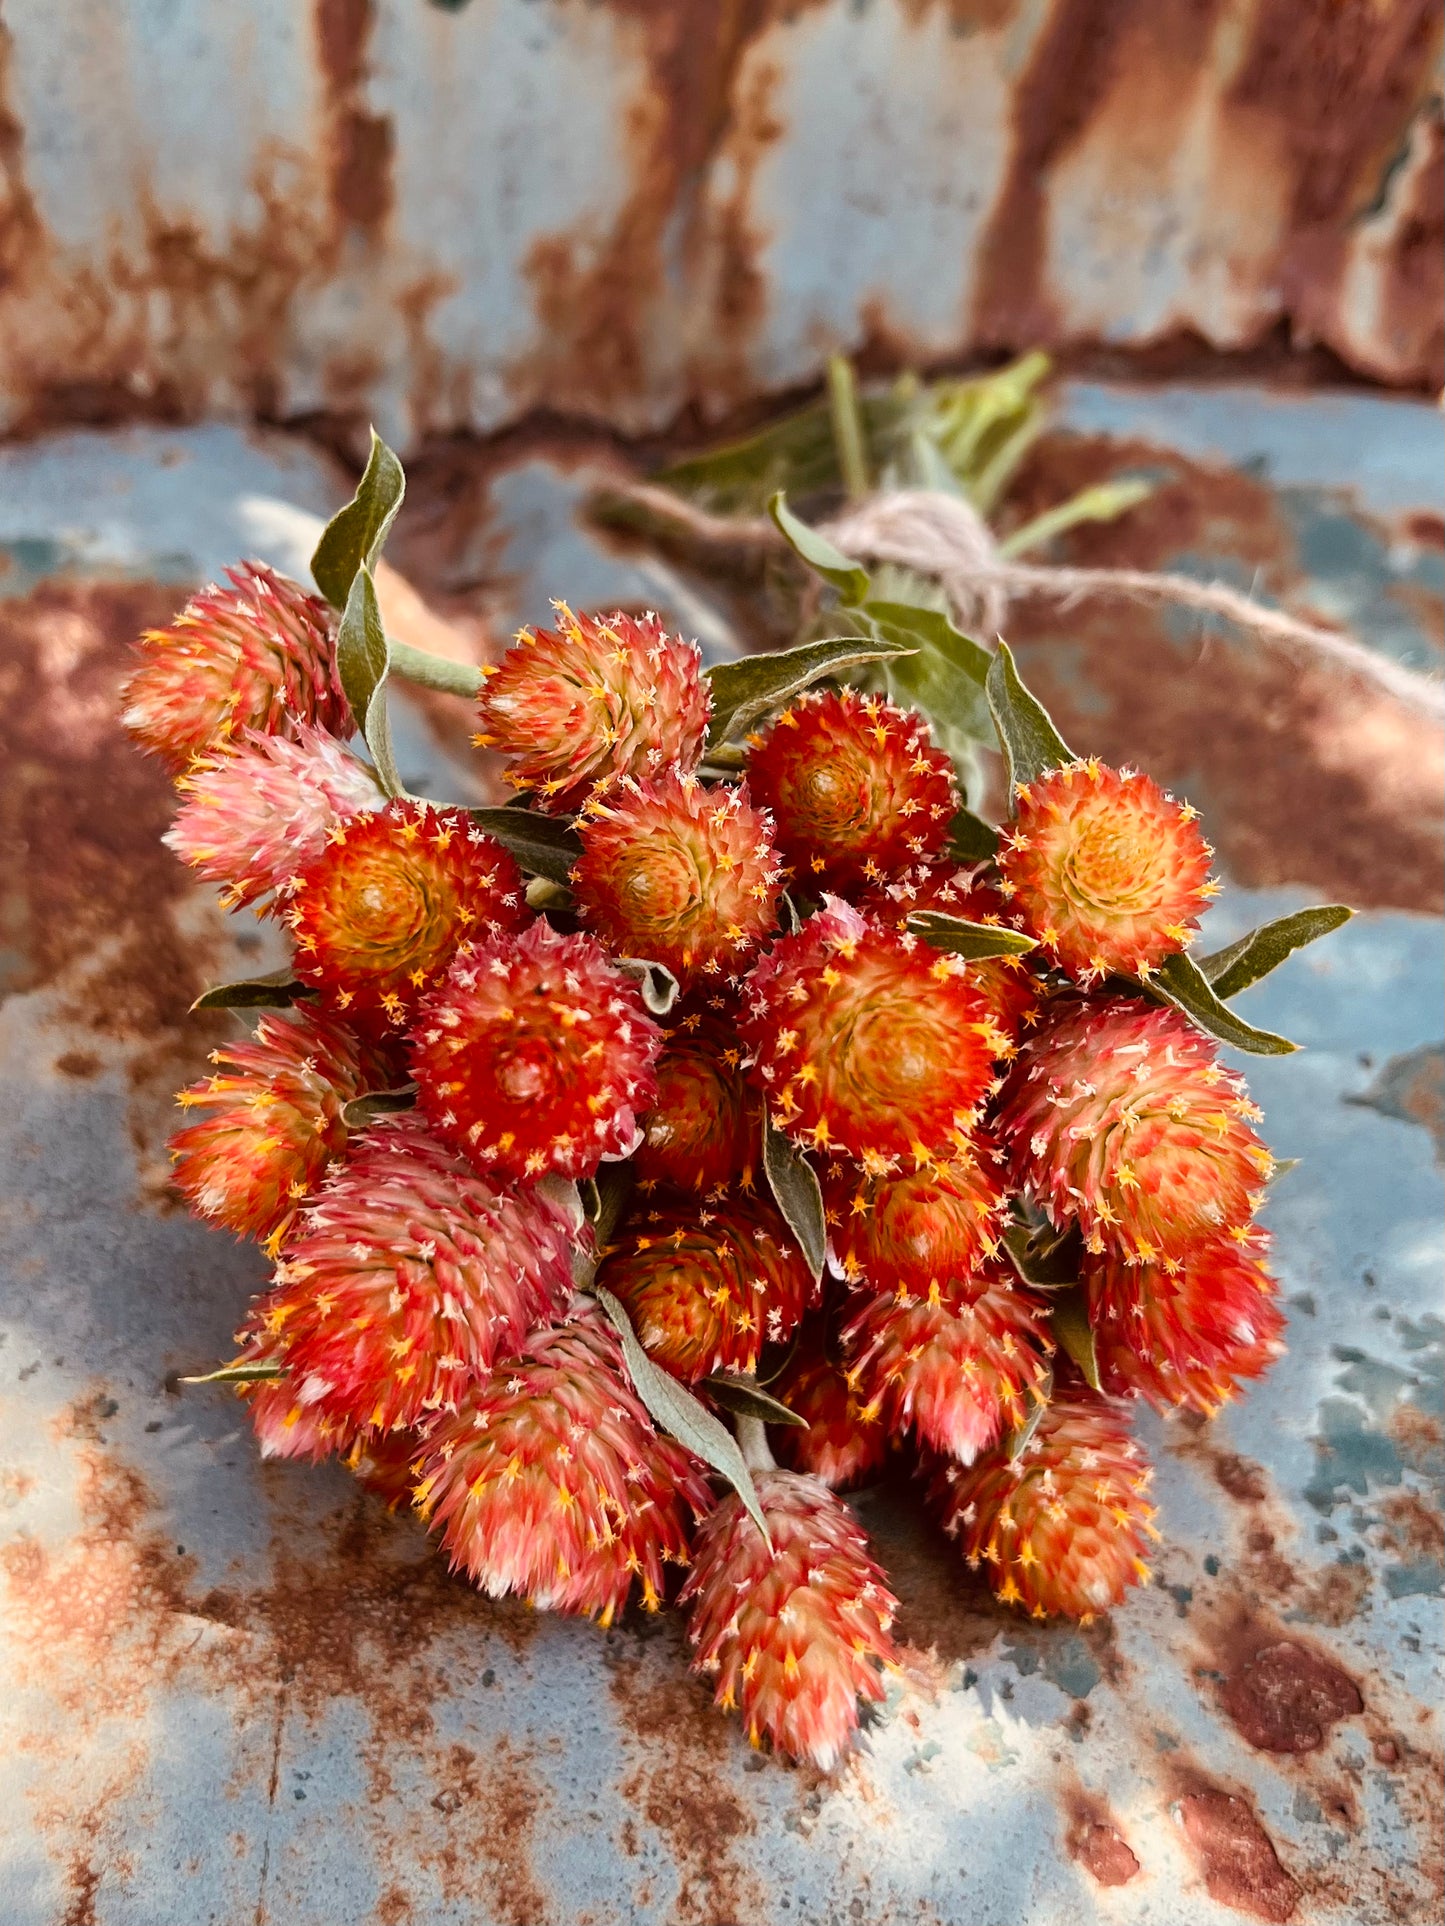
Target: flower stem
x=433, y=671
x=847, y=427
x=753, y=1443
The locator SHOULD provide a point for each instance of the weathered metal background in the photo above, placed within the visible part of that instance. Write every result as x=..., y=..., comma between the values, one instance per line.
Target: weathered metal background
x=245, y=1695
x=452, y=215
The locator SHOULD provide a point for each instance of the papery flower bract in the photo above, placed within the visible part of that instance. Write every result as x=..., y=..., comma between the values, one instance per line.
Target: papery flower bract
x=536, y=1055
x=254, y=816
x=679, y=873
x=1185, y=1335
x=1108, y=872
x=914, y=1229
x=407, y=1277
x=856, y=789
x=378, y=916
x=1007, y=983
x=1064, y=1527
x=955, y=1365
x=706, y=1287
x=269, y=1119
x=796, y=1635
x=550, y=1481
x=868, y=1043
x=257, y=655
x=1119, y=1116
x=594, y=698
x=843, y=1443
x=284, y=1426
x=704, y=1130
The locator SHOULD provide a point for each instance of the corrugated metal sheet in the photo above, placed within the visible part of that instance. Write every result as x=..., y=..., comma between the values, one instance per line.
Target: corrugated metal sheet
x=450, y=216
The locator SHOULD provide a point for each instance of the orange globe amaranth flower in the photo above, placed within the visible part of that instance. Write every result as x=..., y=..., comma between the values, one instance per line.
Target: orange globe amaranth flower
x=1064, y=1527
x=258, y=655
x=1185, y=1335
x=407, y=1278
x=284, y=1426
x=1008, y=985
x=678, y=873
x=595, y=698
x=844, y=1444
x=1108, y=872
x=707, y=1287
x=953, y=1365
x=378, y=916
x=869, y=1044
x=254, y=816
x=797, y=1634
x=704, y=1131
x=1119, y=1116
x=938, y=1225
x=387, y=1463
x=536, y=1055
x=270, y=1120
x=857, y=790
x=550, y=1481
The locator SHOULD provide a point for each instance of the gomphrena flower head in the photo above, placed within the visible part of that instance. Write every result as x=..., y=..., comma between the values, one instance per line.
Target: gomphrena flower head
x=1118, y=1116
x=1106, y=870
x=257, y=655
x=536, y=1055
x=956, y=1365
x=254, y=816
x=270, y=1120
x=1187, y=1334
x=1007, y=983
x=378, y=916
x=284, y=1426
x=679, y=873
x=796, y=1636
x=595, y=698
x=857, y=790
x=937, y=1225
x=1063, y=1528
x=868, y=1043
x=407, y=1277
x=550, y=1482
x=843, y=1444
x=706, y=1287
x=703, y=1132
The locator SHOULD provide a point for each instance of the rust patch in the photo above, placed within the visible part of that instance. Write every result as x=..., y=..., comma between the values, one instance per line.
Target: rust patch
x=1235, y=1854
x=1093, y=1838
x=1413, y=1529
x=1411, y=1088
x=1242, y=1478
x=1284, y=1696
x=79, y=1064
x=360, y=143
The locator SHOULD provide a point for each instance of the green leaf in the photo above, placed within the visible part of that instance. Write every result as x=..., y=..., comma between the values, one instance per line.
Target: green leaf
x=962, y=938
x=745, y=690
x=1043, y=1259
x=1230, y=970
x=604, y=1199
x=239, y=1372
x=681, y=1415
x=1021, y=1437
x=1073, y=1333
x=362, y=660
x=849, y=578
x=1030, y=741
x=277, y=991
x=1180, y=981
x=798, y=1194
x=971, y=839
x=1103, y=503
x=543, y=845
x=354, y=536
x=660, y=988
x=365, y=1109
x=747, y=1398
x=946, y=674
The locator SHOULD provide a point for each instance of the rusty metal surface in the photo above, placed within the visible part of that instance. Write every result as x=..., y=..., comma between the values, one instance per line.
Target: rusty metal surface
x=237, y=1693
x=452, y=215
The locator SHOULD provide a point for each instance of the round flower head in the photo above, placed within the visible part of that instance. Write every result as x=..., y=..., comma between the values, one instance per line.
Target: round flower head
x=868, y=1043
x=269, y=1120
x=856, y=789
x=253, y=817
x=407, y=1277
x=1108, y=872
x=1119, y=1116
x=707, y=1288
x=1006, y=983
x=954, y=1365
x=284, y=1426
x=380, y=913
x=257, y=655
x=549, y=1480
x=796, y=1635
x=595, y=698
x=703, y=1132
x=536, y=1055
x=844, y=1444
x=937, y=1225
x=1063, y=1527
x=1185, y=1335
x=388, y=1463
x=679, y=873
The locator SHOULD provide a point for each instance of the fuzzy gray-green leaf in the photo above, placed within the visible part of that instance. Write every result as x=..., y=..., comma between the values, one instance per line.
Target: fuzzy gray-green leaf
x=657, y=984
x=362, y=663
x=840, y=571
x=1180, y=981
x=354, y=536
x=1026, y=730
x=748, y=1399
x=542, y=845
x=971, y=839
x=745, y=690
x=963, y=938
x=365, y=1109
x=241, y=1372
x=798, y=1195
x=947, y=673
x=1234, y=968
x=276, y=991
x=1021, y=1437
x=1069, y=1320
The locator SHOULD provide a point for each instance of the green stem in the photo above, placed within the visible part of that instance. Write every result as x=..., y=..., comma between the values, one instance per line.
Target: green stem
x=752, y=1436
x=847, y=426
x=433, y=671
